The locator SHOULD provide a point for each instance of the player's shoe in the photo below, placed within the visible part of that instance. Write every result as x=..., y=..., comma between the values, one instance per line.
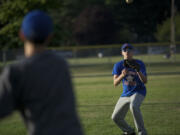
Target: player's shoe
x=129, y=134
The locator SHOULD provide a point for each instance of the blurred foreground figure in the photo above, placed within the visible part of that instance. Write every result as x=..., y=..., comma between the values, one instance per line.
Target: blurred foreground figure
x=40, y=86
x=133, y=75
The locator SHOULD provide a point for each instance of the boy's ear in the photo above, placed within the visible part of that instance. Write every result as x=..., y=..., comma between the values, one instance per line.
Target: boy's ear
x=21, y=36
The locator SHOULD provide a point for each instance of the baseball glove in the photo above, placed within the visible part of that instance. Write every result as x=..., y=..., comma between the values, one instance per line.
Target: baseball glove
x=132, y=64
x=126, y=64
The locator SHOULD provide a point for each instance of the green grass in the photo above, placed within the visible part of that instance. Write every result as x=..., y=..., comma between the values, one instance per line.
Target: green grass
x=161, y=108
x=12, y=125
x=96, y=98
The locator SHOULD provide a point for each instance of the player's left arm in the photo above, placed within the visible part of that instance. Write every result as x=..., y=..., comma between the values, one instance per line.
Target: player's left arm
x=142, y=73
x=142, y=77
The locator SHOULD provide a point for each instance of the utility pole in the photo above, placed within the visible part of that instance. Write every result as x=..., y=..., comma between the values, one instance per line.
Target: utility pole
x=172, y=38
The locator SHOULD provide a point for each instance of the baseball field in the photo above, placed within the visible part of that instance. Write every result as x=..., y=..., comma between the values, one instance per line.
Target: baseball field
x=96, y=97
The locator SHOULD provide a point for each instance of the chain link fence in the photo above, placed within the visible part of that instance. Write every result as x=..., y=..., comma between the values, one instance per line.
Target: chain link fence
x=102, y=54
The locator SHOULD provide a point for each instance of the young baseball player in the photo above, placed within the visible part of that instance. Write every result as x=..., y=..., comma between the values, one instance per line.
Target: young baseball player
x=132, y=73
x=39, y=86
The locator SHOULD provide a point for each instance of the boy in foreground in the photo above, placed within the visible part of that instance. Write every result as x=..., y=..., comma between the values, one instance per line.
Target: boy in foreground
x=39, y=86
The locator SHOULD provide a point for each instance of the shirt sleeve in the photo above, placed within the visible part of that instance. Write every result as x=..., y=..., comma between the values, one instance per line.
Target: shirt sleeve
x=116, y=69
x=6, y=96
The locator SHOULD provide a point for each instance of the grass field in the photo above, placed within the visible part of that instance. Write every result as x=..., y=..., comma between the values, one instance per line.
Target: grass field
x=96, y=98
x=161, y=108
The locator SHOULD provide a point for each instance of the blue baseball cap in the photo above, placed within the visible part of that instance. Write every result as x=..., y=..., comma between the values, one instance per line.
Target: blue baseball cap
x=126, y=45
x=36, y=26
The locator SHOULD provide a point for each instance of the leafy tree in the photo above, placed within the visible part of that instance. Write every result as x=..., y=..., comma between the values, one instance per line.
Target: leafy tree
x=11, y=15
x=163, y=30
x=94, y=25
x=141, y=17
x=136, y=22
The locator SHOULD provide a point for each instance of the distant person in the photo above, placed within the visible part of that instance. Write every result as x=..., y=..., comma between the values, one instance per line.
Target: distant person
x=132, y=73
x=40, y=86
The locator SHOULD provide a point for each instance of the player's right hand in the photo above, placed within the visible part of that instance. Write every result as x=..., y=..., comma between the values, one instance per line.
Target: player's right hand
x=124, y=72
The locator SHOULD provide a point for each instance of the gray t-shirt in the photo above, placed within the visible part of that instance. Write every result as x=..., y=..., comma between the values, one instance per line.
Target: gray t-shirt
x=40, y=88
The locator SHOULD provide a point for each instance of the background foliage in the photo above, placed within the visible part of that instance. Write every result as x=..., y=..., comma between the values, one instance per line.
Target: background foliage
x=81, y=22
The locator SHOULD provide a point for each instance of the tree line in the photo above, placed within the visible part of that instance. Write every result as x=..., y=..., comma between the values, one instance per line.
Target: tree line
x=92, y=22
